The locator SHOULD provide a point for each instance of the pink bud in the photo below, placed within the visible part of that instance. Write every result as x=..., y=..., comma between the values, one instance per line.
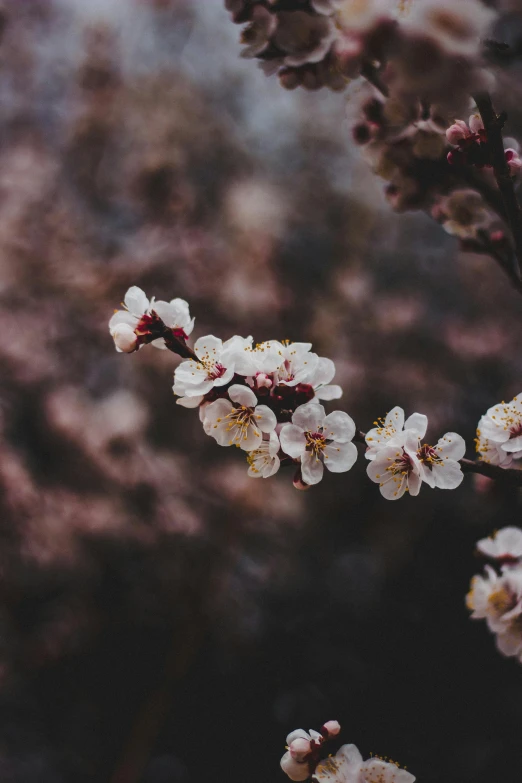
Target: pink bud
x=299, y=749
x=124, y=338
x=475, y=123
x=456, y=132
x=294, y=769
x=514, y=162
x=332, y=728
x=262, y=379
x=299, y=483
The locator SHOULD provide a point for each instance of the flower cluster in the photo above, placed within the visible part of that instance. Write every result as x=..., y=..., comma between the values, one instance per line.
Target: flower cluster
x=303, y=760
x=497, y=595
x=314, y=43
x=499, y=433
x=399, y=462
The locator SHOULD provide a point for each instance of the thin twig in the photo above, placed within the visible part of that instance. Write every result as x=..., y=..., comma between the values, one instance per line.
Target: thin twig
x=493, y=125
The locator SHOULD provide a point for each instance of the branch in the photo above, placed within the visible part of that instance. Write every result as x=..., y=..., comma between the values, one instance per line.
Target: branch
x=493, y=125
x=509, y=476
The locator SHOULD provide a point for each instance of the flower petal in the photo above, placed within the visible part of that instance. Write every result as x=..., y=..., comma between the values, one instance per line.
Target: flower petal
x=190, y=402
x=513, y=444
x=293, y=441
x=268, y=421
x=243, y=395
x=309, y=417
x=324, y=371
x=208, y=348
x=417, y=422
x=331, y=392
x=338, y=426
x=447, y=475
x=312, y=468
x=339, y=457
x=136, y=301
x=395, y=418
x=451, y=446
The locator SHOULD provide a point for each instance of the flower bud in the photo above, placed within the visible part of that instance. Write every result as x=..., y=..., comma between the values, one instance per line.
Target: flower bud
x=299, y=749
x=124, y=338
x=298, y=481
x=264, y=380
x=475, y=123
x=456, y=132
x=332, y=728
x=514, y=162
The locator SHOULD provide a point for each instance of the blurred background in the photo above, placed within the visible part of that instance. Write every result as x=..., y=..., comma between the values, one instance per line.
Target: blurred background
x=163, y=617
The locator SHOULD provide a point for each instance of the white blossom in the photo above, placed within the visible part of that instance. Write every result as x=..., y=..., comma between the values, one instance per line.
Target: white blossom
x=303, y=38
x=297, y=363
x=242, y=424
x=501, y=426
x=492, y=452
x=392, y=430
x=440, y=463
x=123, y=323
x=264, y=461
x=319, y=440
x=498, y=599
x=192, y=380
x=347, y=766
x=397, y=468
x=176, y=315
x=456, y=27
x=504, y=545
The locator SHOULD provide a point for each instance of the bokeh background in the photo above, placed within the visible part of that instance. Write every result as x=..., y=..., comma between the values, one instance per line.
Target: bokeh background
x=164, y=618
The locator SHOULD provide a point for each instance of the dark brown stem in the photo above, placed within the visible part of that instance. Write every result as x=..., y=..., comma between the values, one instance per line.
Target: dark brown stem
x=177, y=344
x=493, y=124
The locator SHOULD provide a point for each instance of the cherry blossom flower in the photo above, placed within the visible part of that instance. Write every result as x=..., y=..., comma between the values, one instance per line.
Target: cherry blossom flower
x=132, y=327
x=502, y=426
x=498, y=599
x=176, y=315
x=303, y=38
x=440, y=463
x=296, y=363
x=319, y=440
x=242, y=424
x=347, y=766
x=264, y=461
x=124, y=324
x=504, y=546
x=392, y=429
x=192, y=380
x=397, y=468
x=492, y=452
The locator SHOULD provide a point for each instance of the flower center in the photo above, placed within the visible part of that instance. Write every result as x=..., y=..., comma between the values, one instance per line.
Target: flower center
x=315, y=442
x=502, y=600
x=239, y=420
x=515, y=430
x=428, y=454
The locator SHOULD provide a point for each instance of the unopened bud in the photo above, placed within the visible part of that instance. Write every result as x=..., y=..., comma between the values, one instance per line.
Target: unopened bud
x=294, y=769
x=331, y=728
x=124, y=338
x=457, y=132
x=264, y=380
x=298, y=481
x=299, y=749
x=475, y=123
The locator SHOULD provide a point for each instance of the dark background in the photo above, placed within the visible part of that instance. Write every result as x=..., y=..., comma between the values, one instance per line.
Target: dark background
x=163, y=617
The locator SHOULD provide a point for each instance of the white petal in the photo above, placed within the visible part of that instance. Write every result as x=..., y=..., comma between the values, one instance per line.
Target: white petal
x=339, y=457
x=451, y=446
x=123, y=317
x=297, y=734
x=271, y=469
x=395, y=418
x=417, y=422
x=309, y=417
x=208, y=348
x=344, y=767
x=225, y=378
x=507, y=541
x=414, y=483
x=268, y=421
x=273, y=447
x=218, y=409
x=447, y=475
x=251, y=440
x=124, y=338
x=243, y=395
x=331, y=392
x=312, y=468
x=293, y=441
x=136, y=301
x=294, y=769
x=395, y=488
x=509, y=643
x=324, y=371
x=514, y=444
x=338, y=426
x=428, y=476
x=190, y=402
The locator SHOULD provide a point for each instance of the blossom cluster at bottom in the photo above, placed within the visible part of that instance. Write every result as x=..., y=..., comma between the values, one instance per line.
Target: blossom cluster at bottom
x=496, y=596
x=305, y=759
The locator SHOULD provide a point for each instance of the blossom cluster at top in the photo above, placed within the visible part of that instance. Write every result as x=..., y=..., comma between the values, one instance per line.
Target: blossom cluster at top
x=305, y=758
x=423, y=46
x=496, y=596
x=266, y=399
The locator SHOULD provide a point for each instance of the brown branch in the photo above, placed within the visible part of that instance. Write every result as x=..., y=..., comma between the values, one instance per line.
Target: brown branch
x=493, y=124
